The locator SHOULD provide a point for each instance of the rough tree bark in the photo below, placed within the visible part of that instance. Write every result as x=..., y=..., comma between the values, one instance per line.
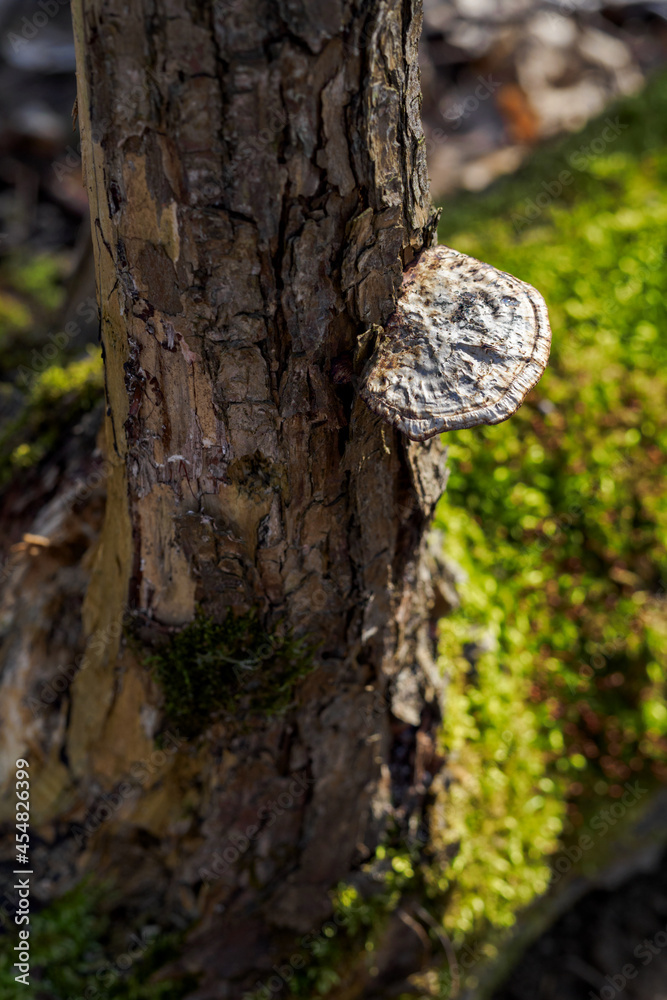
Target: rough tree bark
x=257, y=182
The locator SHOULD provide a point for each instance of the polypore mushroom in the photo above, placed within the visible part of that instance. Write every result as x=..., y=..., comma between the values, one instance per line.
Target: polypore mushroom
x=465, y=345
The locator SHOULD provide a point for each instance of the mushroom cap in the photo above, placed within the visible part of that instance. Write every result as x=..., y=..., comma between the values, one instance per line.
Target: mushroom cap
x=465, y=345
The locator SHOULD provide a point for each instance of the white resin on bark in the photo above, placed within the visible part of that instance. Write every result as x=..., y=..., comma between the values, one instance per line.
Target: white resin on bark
x=466, y=344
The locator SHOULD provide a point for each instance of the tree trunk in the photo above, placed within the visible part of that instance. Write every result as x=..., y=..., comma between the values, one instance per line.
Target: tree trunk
x=257, y=182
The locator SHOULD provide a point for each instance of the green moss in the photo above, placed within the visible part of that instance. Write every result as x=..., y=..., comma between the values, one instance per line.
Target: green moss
x=501, y=814
x=557, y=518
x=335, y=951
x=57, y=398
x=211, y=668
x=76, y=951
x=15, y=316
x=31, y=291
x=39, y=404
x=343, y=948
x=39, y=278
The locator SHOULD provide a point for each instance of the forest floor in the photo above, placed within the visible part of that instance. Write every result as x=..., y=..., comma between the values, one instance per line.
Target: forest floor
x=557, y=523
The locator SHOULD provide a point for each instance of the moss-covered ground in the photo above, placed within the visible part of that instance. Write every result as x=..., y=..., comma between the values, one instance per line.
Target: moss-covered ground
x=557, y=522
x=80, y=949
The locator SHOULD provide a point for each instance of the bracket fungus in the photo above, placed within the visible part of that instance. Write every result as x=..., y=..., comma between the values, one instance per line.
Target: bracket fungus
x=465, y=345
